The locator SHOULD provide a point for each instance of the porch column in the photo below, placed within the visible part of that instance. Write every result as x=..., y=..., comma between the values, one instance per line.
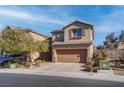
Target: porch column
x=88, y=54
x=54, y=56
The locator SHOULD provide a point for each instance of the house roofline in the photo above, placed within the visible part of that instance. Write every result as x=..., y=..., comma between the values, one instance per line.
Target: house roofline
x=62, y=30
x=71, y=24
x=56, y=31
x=29, y=30
x=76, y=21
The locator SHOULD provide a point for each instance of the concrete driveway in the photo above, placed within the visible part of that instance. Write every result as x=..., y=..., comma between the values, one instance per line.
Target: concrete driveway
x=62, y=67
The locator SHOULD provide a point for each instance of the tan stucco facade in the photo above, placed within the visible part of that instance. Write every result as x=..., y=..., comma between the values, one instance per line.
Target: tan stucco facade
x=37, y=37
x=74, y=43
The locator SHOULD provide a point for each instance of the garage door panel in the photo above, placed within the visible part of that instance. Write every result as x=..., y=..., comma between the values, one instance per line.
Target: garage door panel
x=77, y=55
x=68, y=57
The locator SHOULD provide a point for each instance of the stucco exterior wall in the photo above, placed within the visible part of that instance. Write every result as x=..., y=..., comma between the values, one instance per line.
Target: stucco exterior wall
x=89, y=34
x=66, y=34
x=91, y=51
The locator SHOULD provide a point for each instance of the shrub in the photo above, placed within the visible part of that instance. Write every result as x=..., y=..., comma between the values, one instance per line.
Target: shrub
x=20, y=65
x=38, y=62
x=43, y=61
x=99, y=56
x=90, y=66
x=6, y=65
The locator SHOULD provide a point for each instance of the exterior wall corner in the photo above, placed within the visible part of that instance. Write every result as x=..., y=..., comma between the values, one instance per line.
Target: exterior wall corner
x=54, y=55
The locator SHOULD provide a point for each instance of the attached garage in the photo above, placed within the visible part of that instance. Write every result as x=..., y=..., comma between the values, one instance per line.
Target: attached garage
x=72, y=55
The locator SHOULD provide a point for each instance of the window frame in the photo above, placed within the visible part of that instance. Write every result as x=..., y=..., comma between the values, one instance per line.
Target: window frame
x=58, y=36
x=78, y=33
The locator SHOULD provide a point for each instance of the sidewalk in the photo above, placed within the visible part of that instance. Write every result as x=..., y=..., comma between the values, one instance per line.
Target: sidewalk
x=85, y=75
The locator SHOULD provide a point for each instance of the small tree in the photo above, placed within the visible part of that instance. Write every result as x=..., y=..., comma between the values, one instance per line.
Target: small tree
x=15, y=40
x=18, y=40
x=121, y=36
x=99, y=47
x=111, y=41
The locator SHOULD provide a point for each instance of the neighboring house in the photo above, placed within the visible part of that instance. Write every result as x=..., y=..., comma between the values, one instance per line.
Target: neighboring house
x=36, y=36
x=121, y=45
x=39, y=37
x=73, y=43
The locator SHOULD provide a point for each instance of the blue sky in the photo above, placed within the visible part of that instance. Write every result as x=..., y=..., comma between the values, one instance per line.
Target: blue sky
x=44, y=19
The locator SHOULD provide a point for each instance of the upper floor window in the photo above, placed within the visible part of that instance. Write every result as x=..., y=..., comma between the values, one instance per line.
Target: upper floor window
x=59, y=37
x=76, y=32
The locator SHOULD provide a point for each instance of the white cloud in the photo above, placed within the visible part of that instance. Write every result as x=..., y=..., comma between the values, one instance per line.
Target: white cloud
x=29, y=16
x=47, y=19
x=17, y=14
x=112, y=22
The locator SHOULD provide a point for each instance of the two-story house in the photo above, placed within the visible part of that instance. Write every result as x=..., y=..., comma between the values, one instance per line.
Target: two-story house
x=73, y=43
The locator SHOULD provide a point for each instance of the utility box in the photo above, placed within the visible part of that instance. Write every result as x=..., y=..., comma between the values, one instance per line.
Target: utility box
x=12, y=65
x=104, y=65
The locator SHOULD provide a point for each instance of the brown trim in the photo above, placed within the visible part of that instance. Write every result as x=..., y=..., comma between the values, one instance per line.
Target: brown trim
x=72, y=43
x=75, y=37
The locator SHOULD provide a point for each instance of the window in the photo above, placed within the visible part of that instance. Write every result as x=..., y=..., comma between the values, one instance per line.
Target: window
x=60, y=37
x=76, y=32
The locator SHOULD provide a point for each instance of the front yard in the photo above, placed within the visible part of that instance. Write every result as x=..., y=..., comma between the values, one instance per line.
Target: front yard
x=61, y=67
x=55, y=67
x=118, y=70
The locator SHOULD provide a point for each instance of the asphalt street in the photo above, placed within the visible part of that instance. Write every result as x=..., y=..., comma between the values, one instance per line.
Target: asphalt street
x=24, y=80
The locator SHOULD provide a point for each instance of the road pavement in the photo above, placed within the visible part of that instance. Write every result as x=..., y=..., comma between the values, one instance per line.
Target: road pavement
x=27, y=80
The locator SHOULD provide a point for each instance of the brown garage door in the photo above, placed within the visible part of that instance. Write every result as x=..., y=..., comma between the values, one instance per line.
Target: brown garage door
x=72, y=55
